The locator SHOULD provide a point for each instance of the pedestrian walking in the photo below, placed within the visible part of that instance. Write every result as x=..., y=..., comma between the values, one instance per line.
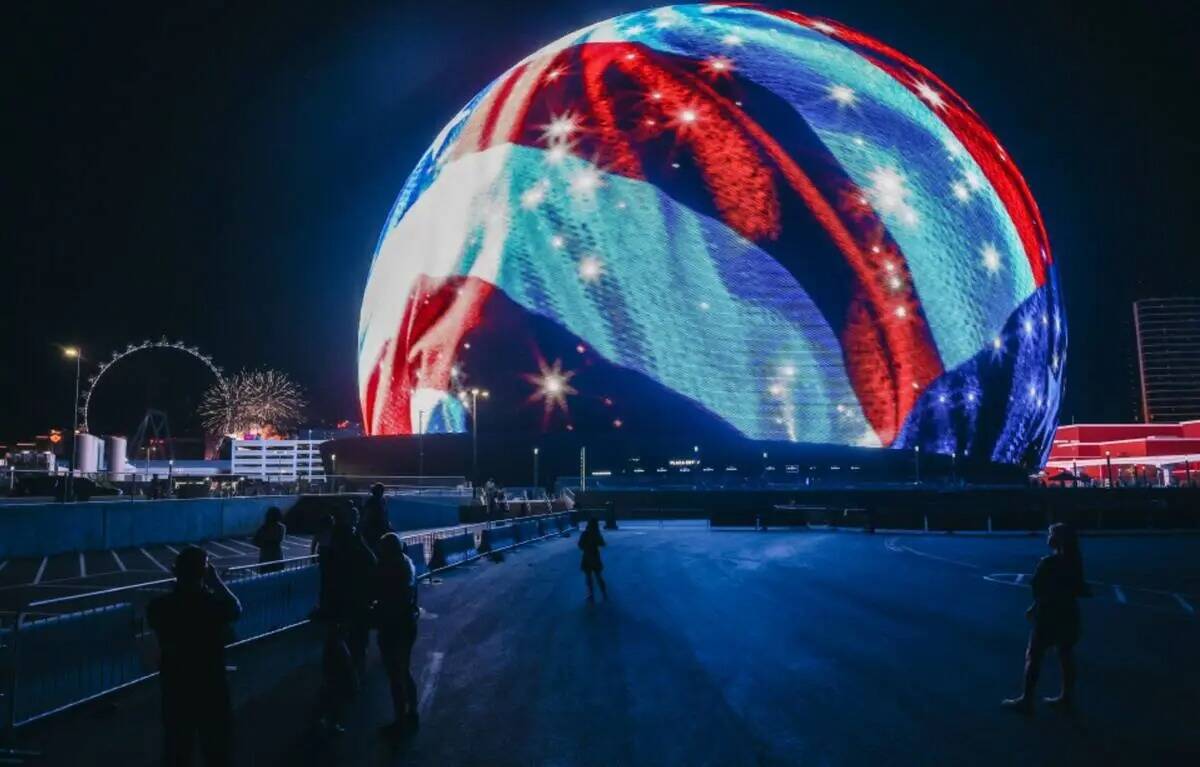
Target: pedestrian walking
x=396, y=615
x=269, y=539
x=590, y=543
x=1057, y=585
x=192, y=625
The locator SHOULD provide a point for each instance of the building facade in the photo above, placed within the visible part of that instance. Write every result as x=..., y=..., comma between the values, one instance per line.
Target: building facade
x=1127, y=454
x=1168, y=344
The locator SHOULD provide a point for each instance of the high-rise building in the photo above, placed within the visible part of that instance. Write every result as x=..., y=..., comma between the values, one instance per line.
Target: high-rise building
x=1168, y=343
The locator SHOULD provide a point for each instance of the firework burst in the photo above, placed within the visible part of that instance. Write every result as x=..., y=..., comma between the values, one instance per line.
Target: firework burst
x=259, y=402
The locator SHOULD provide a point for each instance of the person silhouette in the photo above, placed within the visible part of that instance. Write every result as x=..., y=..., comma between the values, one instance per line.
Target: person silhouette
x=192, y=625
x=349, y=566
x=1057, y=585
x=375, y=517
x=396, y=615
x=590, y=543
x=269, y=539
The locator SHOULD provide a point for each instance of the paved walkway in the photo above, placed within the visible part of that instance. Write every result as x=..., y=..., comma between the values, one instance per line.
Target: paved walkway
x=734, y=648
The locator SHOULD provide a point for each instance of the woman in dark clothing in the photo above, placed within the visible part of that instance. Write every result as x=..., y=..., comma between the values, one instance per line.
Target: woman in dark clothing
x=269, y=539
x=590, y=543
x=395, y=590
x=1057, y=585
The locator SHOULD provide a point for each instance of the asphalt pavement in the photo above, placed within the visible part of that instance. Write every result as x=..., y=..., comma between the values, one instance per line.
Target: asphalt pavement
x=740, y=648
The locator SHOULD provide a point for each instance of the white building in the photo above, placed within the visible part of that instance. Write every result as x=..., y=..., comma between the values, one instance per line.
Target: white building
x=281, y=460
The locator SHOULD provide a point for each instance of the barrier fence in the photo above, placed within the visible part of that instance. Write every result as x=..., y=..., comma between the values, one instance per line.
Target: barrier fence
x=165, y=480
x=58, y=653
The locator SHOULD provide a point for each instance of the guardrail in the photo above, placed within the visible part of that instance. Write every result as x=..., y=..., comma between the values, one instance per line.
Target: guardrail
x=59, y=653
x=168, y=481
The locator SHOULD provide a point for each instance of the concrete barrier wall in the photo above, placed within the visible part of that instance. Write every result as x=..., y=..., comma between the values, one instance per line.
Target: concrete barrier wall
x=31, y=530
x=406, y=513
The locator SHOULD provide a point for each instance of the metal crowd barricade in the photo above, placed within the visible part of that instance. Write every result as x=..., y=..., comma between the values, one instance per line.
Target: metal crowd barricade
x=58, y=653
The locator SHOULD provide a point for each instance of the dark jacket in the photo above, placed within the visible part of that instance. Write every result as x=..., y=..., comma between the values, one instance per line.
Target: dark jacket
x=269, y=540
x=590, y=543
x=1057, y=585
x=394, y=588
x=193, y=628
x=375, y=522
x=347, y=566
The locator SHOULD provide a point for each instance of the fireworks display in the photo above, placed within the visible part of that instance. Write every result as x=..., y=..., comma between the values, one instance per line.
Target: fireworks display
x=263, y=402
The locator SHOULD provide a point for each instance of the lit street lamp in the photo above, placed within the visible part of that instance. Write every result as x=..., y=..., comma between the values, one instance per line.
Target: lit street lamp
x=72, y=352
x=475, y=395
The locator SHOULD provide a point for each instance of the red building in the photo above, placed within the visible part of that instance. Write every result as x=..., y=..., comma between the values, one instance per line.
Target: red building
x=1127, y=454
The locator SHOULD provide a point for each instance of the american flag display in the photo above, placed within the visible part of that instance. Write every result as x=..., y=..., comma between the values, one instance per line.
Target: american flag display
x=726, y=217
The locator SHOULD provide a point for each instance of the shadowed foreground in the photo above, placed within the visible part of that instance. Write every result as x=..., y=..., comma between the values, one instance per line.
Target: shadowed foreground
x=731, y=648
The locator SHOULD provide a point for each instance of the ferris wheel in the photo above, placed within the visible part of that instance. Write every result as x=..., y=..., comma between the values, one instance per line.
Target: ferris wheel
x=145, y=346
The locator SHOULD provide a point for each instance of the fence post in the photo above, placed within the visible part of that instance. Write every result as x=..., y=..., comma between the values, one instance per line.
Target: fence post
x=926, y=517
x=989, y=523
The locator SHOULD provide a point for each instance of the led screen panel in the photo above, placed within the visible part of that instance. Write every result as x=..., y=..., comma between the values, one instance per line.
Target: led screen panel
x=722, y=219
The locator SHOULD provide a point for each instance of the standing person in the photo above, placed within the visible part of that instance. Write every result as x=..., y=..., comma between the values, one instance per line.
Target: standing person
x=375, y=517
x=347, y=593
x=1057, y=585
x=338, y=680
x=489, y=498
x=319, y=548
x=590, y=543
x=192, y=625
x=396, y=615
x=269, y=539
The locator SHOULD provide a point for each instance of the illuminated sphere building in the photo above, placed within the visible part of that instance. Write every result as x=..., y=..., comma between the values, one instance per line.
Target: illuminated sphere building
x=722, y=220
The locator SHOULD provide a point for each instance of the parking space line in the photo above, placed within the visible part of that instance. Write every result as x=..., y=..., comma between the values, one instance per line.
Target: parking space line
x=173, y=550
x=117, y=557
x=152, y=559
x=82, y=566
x=243, y=547
x=1186, y=605
x=894, y=544
x=41, y=569
x=432, y=671
x=1119, y=594
x=3, y=564
x=297, y=540
x=235, y=552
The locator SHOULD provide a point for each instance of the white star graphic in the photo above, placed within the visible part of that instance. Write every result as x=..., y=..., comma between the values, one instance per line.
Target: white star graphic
x=932, y=97
x=843, y=95
x=991, y=257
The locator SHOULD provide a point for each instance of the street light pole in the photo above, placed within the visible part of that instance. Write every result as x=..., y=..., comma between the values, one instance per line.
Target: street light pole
x=420, y=449
x=475, y=395
x=535, y=467
x=1108, y=460
x=69, y=488
x=917, y=454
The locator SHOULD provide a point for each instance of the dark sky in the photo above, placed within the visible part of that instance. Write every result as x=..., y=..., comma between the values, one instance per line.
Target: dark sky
x=219, y=172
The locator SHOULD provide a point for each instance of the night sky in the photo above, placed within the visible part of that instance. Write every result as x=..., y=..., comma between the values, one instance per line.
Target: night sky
x=219, y=173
